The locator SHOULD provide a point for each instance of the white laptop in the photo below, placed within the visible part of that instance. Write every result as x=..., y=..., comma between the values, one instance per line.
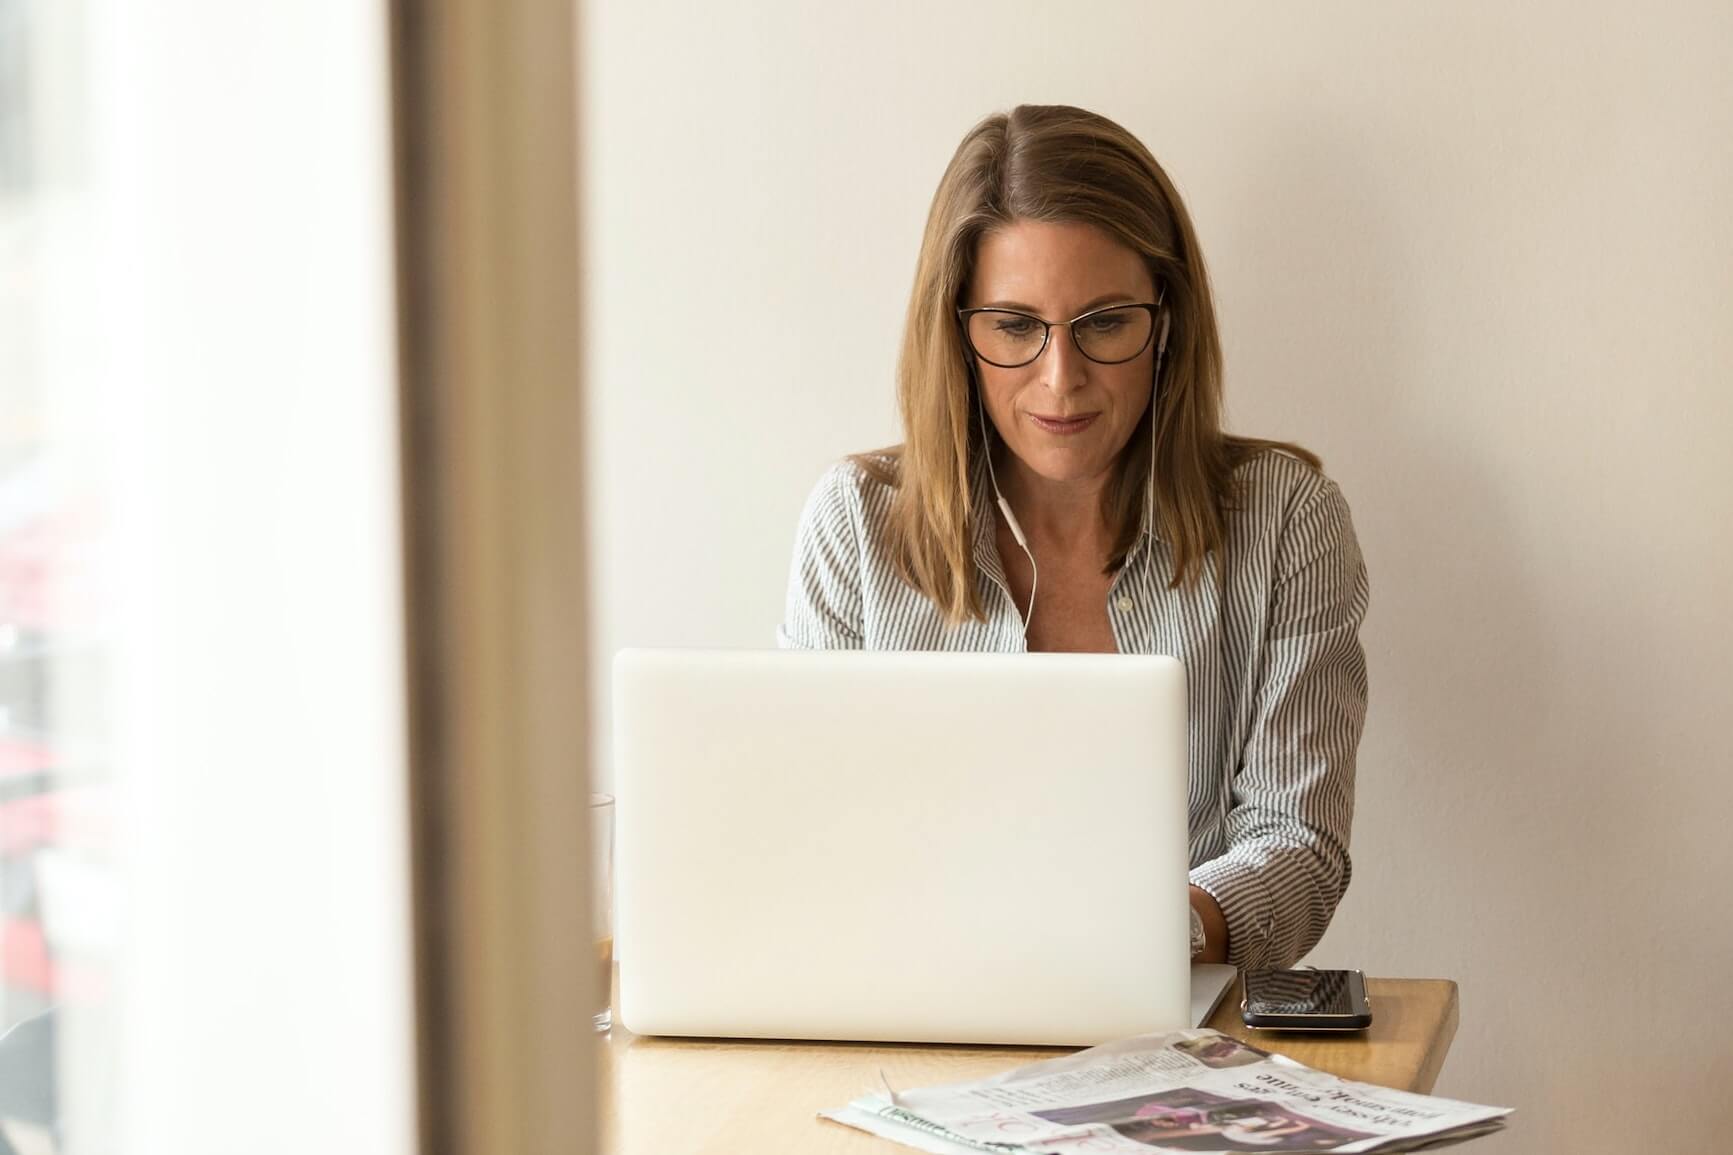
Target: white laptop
x=964, y=848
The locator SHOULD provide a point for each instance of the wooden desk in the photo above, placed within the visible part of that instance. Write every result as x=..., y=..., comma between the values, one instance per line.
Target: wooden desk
x=673, y=1096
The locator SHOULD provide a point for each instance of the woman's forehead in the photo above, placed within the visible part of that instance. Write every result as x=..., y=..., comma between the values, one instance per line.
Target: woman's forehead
x=1056, y=265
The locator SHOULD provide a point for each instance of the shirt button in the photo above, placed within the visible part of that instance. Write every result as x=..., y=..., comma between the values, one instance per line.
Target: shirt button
x=1125, y=603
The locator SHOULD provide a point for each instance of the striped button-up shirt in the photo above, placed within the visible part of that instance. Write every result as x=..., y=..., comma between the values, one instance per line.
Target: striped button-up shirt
x=1275, y=675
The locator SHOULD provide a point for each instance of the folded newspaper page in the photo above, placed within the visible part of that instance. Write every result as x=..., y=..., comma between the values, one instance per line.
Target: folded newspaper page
x=1186, y=1091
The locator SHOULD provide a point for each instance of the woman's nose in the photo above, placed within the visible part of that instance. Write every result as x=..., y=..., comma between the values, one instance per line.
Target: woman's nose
x=1063, y=366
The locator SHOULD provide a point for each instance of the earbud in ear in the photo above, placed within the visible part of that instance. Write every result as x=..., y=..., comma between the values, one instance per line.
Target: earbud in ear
x=1161, y=342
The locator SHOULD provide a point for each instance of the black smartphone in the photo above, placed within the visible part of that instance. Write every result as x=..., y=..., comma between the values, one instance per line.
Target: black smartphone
x=1306, y=1000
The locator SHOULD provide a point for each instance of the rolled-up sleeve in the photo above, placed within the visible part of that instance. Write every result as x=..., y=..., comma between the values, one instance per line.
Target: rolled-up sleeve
x=1292, y=799
x=824, y=607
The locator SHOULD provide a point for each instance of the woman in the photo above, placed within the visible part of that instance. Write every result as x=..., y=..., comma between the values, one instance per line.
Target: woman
x=1065, y=484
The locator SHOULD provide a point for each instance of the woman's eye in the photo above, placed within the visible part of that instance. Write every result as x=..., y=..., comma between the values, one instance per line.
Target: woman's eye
x=1015, y=326
x=1106, y=324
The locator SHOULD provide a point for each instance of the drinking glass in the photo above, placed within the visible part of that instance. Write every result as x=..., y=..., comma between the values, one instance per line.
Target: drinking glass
x=602, y=903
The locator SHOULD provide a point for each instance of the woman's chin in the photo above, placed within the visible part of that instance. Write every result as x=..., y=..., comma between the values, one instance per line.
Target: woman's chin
x=1065, y=466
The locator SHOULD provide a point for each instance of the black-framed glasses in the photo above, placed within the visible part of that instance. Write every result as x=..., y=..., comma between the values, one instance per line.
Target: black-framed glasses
x=1010, y=339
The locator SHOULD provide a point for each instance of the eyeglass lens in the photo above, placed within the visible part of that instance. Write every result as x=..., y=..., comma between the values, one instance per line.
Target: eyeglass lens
x=1013, y=339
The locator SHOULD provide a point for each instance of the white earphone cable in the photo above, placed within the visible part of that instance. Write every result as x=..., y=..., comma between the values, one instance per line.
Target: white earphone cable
x=1005, y=508
x=1149, y=493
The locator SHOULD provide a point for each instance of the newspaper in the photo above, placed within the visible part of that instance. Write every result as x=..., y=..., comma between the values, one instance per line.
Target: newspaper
x=1186, y=1091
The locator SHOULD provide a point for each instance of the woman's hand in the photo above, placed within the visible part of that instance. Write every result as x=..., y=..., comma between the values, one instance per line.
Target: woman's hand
x=1215, y=927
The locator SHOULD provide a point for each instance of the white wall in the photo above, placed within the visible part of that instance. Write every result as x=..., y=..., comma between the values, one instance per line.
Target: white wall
x=1477, y=255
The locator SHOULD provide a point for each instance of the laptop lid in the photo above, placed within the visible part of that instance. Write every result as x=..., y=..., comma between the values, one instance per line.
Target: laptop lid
x=971, y=848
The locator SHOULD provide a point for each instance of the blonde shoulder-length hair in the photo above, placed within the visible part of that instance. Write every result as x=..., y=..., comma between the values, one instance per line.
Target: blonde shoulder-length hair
x=1055, y=163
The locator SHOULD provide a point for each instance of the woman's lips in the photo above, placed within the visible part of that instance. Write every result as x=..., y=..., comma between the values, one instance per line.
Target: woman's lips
x=1076, y=424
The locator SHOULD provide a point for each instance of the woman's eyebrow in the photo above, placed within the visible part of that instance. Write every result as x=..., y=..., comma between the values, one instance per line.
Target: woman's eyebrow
x=1104, y=299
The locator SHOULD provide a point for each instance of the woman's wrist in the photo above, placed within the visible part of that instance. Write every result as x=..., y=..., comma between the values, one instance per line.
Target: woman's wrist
x=1215, y=926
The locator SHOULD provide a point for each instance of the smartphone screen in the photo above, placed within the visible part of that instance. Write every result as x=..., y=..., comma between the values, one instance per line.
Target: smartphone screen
x=1307, y=1000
